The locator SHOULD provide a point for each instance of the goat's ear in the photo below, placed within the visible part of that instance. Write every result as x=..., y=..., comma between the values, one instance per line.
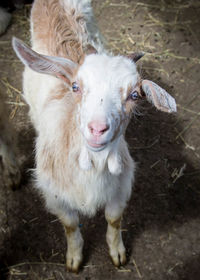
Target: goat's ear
x=158, y=97
x=136, y=56
x=59, y=67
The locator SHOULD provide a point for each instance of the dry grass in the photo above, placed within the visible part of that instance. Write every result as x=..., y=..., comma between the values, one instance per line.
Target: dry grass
x=15, y=95
x=123, y=40
x=157, y=56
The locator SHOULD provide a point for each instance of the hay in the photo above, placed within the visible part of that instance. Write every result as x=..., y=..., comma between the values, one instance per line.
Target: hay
x=137, y=269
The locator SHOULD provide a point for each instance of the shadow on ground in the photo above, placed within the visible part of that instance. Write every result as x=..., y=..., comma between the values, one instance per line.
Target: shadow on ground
x=160, y=225
x=160, y=201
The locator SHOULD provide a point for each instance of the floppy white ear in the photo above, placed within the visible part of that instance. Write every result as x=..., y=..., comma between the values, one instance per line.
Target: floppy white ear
x=59, y=67
x=158, y=97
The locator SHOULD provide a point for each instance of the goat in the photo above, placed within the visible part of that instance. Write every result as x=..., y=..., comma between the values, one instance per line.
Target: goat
x=10, y=174
x=81, y=100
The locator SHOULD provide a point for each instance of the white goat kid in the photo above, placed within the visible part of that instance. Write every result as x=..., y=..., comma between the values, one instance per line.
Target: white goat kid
x=80, y=105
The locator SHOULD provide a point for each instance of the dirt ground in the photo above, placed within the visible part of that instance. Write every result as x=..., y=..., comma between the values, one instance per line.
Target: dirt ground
x=161, y=226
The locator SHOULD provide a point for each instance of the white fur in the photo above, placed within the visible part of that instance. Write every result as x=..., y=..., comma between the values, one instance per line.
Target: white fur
x=84, y=159
x=85, y=179
x=83, y=162
x=103, y=76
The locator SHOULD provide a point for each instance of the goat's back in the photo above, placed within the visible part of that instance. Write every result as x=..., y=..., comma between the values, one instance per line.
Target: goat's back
x=59, y=27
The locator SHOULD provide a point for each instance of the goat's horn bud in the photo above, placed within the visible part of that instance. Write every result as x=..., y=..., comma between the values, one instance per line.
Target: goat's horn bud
x=136, y=56
x=90, y=49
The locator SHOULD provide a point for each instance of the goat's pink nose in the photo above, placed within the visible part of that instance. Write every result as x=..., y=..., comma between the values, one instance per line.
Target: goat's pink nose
x=98, y=128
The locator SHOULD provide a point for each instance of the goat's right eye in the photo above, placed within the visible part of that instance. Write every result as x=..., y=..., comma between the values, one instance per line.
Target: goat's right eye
x=75, y=87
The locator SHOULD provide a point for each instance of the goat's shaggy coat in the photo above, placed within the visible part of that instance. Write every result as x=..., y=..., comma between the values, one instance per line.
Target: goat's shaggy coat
x=82, y=158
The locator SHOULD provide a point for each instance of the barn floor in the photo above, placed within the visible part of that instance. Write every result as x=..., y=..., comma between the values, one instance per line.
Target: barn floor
x=161, y=226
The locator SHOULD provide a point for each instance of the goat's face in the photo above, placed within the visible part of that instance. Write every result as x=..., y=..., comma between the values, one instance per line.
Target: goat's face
x=109, y=89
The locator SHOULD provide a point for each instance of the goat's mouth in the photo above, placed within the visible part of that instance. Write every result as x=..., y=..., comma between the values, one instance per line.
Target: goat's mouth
x=96, y=147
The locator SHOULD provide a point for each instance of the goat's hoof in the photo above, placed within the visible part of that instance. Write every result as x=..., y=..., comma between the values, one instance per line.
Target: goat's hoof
x=118, y=258
x=73, y=264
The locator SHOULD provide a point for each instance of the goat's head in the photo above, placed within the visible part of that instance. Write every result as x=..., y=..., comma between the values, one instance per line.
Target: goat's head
x=109, y=88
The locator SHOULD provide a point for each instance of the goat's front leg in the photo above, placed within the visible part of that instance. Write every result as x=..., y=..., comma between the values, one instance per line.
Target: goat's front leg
x=113, y=236
x=74, y=242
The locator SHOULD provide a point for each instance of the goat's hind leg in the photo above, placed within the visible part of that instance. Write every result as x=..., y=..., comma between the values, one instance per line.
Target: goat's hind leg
x=74, y=241
x=113, y=214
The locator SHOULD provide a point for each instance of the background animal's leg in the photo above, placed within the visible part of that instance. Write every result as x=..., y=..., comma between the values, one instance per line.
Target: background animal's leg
x=113, y=214
x=9, y=169
x=74, y=242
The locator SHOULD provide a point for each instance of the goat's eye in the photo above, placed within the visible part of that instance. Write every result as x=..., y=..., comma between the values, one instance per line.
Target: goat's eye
x=134, y=95
x=75, y=87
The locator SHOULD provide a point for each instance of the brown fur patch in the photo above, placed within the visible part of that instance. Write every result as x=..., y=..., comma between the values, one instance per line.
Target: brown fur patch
x=57, y=30
x=130, y=105
x=58, y=93
x=69, y=230
x=64, y=78
x=115, y=223
x=50, y=160
x=53, y=158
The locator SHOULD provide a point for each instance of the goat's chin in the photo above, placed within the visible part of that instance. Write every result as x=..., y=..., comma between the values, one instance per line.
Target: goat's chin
x=96, y=147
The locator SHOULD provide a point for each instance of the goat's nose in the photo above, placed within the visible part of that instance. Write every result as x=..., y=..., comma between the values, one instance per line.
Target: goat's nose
x=97, y=128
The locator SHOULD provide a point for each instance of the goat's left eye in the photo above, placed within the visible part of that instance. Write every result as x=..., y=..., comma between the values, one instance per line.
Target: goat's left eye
x=75, y=87
x=134, y=95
